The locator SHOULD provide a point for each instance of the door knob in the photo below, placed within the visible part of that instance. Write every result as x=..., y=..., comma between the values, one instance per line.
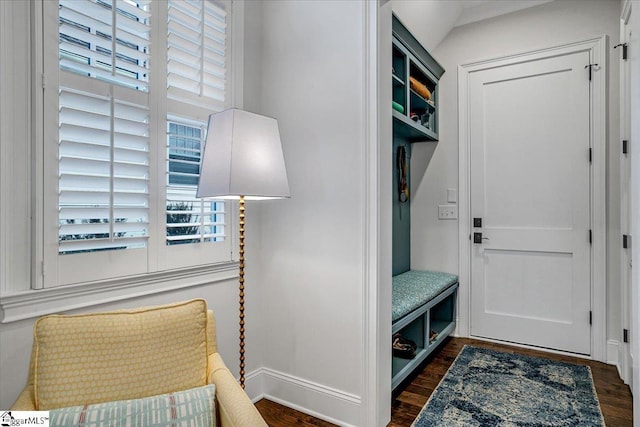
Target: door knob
x=477, y=237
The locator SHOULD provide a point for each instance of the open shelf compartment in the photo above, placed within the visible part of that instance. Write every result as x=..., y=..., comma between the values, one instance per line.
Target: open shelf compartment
x=437, y=315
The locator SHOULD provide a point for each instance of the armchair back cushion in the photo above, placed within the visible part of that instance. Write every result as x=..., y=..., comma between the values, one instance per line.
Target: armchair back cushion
x=120, y=355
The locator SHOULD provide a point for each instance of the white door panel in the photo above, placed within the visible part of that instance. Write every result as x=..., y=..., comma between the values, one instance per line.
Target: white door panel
x=529, y=130
x=507, y=274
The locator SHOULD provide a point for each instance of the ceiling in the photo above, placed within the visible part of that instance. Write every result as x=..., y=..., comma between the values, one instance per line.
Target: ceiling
x=431, y=20
x=477, y=10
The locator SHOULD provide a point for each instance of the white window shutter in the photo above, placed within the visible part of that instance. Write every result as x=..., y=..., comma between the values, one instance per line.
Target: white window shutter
x=103, y=135
x=90, y=31
x=103, y=173
x=196, y=52
x=196, y=78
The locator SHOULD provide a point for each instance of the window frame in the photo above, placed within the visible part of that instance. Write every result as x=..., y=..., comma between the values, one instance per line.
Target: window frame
x=133, y=265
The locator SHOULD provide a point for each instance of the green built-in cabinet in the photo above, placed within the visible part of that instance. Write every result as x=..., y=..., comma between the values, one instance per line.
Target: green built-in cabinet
x=415, y=76
x=415, y=120
x=427, y=326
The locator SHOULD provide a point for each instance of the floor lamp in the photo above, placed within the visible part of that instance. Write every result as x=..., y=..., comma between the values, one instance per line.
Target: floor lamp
x=242, y=160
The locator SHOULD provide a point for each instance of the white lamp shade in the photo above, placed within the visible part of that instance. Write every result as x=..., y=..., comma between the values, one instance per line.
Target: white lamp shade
x=242, y=157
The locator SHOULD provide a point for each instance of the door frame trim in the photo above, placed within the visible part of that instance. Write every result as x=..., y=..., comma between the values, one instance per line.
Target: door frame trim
x=598, y=110
x=624, y=355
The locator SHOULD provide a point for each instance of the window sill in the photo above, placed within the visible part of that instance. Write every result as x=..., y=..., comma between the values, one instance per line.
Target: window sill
x=41, y=302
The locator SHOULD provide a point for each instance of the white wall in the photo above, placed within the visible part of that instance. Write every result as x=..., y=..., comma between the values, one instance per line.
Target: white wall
x=429, y=20
x=311, y=277
x=434, y=242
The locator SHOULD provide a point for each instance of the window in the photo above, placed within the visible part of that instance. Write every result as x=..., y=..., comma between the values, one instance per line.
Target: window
x=130, y=127
x=103, y=140
x=196, y=76
x=189, y=220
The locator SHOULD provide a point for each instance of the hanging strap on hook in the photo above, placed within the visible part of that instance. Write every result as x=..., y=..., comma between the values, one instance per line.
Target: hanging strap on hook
x=402, y=167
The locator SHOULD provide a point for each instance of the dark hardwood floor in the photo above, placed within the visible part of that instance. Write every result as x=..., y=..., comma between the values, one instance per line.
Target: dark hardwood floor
x=277, y=415
x=614, y=396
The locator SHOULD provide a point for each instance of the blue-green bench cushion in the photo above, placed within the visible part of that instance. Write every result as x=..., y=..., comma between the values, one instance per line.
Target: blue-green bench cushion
x=414, y=288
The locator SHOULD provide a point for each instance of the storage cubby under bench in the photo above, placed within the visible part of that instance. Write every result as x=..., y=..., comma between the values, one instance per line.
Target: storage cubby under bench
x=424, y=311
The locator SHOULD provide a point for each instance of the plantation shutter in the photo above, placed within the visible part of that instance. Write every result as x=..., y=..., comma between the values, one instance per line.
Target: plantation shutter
x=196, y=84
x=103, y=133
x=196, y=55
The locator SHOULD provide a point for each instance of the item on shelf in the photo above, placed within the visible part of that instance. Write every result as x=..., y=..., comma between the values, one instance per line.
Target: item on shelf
x=433, y=335
x=420, y=88
x=398, y=107
x=403, y=348
x=414, y=116
x=424, y=119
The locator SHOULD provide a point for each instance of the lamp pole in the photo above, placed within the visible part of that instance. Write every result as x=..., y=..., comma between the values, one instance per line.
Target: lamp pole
x=241, y=280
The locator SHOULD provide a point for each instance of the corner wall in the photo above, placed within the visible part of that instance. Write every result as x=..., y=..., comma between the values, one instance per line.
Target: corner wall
x=434, y=242
x=312, y=267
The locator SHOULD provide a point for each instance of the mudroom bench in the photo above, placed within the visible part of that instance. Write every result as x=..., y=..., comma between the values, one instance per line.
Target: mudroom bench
x=424, y=307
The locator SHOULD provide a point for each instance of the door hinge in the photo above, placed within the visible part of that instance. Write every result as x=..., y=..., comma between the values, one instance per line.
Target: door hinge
x=624, y=50
x=590, y=155
x=42, y=268
x=43, y=81
x=590, y=237
x=626, y=241
x=625, y=146
x=591, y=317
x=590, y=67
x=625, y=335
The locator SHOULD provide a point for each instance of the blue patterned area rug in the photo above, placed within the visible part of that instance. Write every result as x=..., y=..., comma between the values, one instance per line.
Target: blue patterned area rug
x=491, y=388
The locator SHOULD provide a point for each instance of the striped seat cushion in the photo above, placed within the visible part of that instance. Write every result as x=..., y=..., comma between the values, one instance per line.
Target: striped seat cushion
x=189, y=408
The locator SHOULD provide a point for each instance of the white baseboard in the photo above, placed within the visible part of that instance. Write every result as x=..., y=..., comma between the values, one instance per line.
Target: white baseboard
x=613, y=355
x=326, y=403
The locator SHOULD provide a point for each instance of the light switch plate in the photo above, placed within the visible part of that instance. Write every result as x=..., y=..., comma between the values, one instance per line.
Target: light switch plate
x=447, y=212
x=452, y=195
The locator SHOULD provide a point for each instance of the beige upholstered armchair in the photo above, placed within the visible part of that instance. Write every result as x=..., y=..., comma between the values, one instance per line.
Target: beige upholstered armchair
x=89, y=359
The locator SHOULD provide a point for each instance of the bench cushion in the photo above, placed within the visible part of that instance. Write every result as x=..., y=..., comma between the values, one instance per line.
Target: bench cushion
x=414, y=288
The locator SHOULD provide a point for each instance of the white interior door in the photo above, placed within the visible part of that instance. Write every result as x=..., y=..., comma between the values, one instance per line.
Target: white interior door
x=530, y=186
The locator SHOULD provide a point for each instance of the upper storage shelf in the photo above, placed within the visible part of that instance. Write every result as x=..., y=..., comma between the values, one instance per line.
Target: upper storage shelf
x=415, y=76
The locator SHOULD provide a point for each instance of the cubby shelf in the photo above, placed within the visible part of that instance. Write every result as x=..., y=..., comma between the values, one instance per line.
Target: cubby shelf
x=412, y=62
x=397, y=81
x=411, y=131
x=437, y=315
